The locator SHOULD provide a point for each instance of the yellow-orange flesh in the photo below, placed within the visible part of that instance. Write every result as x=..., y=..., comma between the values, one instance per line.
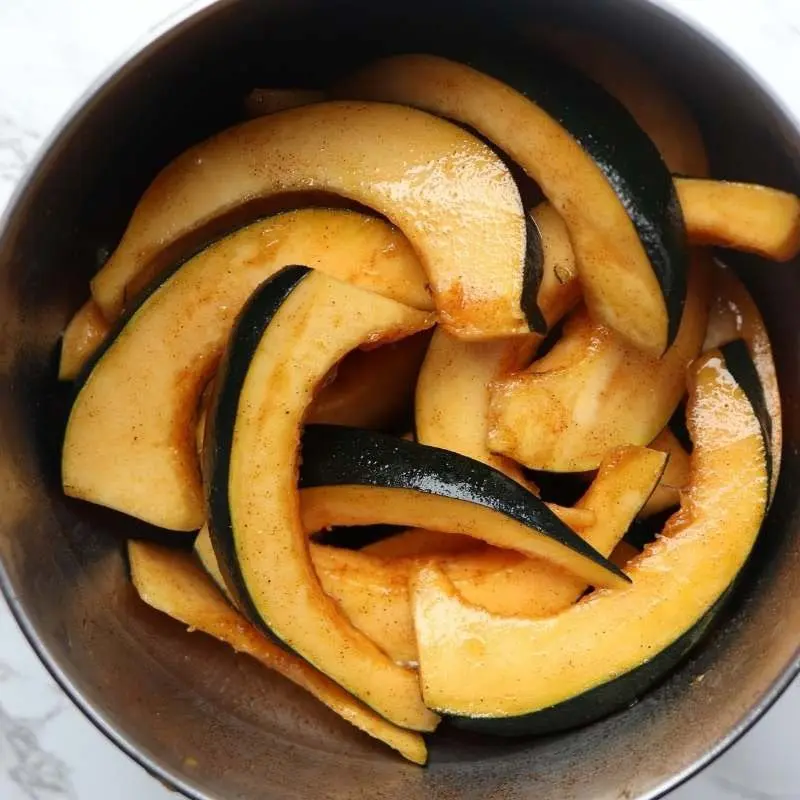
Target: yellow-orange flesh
x=452, y=396
x=474, y=663
x=426, y=175
x=130, y=441
x=593, y=391
x=171, y=582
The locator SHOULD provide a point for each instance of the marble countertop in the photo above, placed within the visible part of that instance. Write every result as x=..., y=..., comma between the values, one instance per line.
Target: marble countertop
x=50, y=50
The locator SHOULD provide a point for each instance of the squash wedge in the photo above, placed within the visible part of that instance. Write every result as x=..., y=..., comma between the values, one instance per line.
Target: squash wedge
x=373, y=590
x=676, y=475
x=594, y=164
x=129, y=443
x=85, y=332
x=372, y=388
x=170, y=582
x=661, y=114
x=735, y=315
x=428, y=176
x=511, y=676
x=741, y=216
x=294, y=328
x=593, y=391
x=452, y=397
x=359, y=477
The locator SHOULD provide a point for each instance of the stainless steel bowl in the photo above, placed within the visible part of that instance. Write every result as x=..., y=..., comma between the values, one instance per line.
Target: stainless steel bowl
x=214, y=725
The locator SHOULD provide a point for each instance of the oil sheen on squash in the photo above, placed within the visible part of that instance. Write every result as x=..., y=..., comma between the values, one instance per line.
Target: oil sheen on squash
x=293, y=330
x=593, y=391
x=372, y=587
x=427, y=176
x=129, y=443
x=594, y=164
x=513, y=676
x=452, y=397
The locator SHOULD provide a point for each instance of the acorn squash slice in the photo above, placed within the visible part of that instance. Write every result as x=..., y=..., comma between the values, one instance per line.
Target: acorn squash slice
x=593, y=391
x=675, y=477
x=594, y=164
x=735, y=315
x=741, y=216
x=129, y=443
x=428, y=176
x=85, y=332
x=512, y=676
x=294, y=328
x=359, y=477
x=451, y=406
x=170, y=581
x=373, y=590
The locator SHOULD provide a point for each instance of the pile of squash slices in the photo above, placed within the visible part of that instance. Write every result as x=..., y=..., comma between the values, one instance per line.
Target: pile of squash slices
x=355, y=401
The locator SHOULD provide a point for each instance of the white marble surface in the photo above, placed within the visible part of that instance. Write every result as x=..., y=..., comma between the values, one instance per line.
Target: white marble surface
x=50, y=50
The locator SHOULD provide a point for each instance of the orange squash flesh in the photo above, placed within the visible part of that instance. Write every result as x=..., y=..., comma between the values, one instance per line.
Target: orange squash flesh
x=372, y=388
x=617, y=272
x=170, y=582
x=421, y=542
x=452, y=397
x=293, y=330
x=371, y=588
x=129, y=443
x=523, y=675
x=742, y=216
x=426, y=175
x=593, y=391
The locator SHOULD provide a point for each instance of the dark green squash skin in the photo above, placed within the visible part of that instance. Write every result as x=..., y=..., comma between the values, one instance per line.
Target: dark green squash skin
x=251, y=326
x=338, y=456
x=622, y=151
x=623, y=691
x=533, y=267
x=615, y=695
x=740, y=364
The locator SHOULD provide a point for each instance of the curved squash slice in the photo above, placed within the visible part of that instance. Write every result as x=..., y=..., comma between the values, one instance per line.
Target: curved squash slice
x=372, y=388
x=170, y=582
x=513, y=676
x=661, y=114
x=373, y=590
x=85, y=333
x=742, y=216
x=428, y=176
x=293, y=330
x=129, y=442
x=675, y=478
x=593, y=391
x=452, y=397
x=592, y=161
x=734, y=315
x=353, y=476
x=267, y=101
